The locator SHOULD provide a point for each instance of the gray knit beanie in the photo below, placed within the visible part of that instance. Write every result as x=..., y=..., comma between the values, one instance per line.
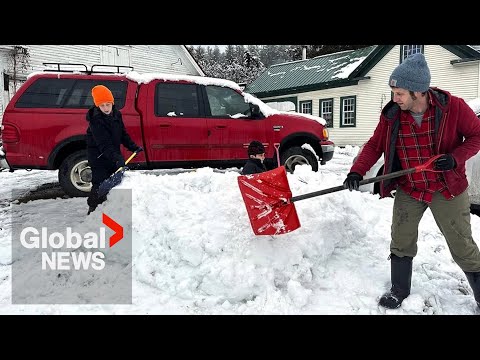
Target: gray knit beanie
x=412, y=74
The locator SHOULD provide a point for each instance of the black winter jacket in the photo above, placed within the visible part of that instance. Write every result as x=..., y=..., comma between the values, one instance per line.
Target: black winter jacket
x=253, y=166
x=105, y=134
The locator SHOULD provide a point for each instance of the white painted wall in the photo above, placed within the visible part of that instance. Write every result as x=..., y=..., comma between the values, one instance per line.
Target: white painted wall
x=460, y=79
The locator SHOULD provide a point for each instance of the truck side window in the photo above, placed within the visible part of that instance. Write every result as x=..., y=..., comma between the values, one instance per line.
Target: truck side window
x=81, y=94
x=226, y=102
x=45, y=93
x=68, y=93
x=172, y=99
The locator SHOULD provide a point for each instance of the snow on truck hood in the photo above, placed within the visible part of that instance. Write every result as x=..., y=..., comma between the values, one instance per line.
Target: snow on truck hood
x=268, y=111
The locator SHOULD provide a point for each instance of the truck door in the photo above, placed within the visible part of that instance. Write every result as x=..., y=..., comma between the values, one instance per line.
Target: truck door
x=174, y=130
x=230, y=126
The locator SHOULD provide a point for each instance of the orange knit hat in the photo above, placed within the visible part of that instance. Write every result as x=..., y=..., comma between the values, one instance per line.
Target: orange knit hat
x=101, y=94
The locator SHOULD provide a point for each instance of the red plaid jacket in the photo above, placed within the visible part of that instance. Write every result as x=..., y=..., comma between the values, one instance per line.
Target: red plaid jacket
x=457, y=131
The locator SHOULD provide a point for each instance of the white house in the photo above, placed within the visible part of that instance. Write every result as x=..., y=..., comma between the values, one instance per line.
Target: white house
x=17, y=61
x=349, y=88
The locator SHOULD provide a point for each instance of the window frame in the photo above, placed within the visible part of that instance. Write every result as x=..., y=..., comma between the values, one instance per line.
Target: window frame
x=156, y=106
x=402, y=51
x=208, y=110
x=300, y=103
x=342, y=112
x=320, y=110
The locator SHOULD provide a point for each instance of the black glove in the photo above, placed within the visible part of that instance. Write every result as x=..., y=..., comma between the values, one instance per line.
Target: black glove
x=138, y=149
x=352, y=181
x=445, y=162
x=120, y=163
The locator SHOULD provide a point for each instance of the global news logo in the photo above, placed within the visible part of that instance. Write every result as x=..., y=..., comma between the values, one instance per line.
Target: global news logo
x=72, y=250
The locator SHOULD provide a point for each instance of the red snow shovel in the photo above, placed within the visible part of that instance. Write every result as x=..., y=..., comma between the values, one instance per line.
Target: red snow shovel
x=115, y=179
x=269, y=201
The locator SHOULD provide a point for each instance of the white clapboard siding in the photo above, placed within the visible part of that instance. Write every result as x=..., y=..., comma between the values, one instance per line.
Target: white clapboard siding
x=3, y=65
x=460, y=79
x=78, y=54
x=170, y=59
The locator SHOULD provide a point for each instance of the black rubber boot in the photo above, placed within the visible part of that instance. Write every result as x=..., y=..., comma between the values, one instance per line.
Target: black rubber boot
x=474, y=281
x=401, y=276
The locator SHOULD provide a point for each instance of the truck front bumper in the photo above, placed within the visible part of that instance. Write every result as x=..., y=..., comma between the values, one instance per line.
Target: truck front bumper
x=327, y=151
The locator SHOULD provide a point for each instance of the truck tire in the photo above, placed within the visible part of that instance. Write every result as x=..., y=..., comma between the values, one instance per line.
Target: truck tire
x=75, y=175
x=297, y=156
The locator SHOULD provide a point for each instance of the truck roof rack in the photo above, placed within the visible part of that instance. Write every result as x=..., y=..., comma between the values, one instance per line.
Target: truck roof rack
x=72, y=67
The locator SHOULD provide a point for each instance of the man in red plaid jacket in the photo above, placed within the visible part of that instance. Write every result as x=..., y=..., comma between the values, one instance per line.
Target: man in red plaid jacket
x=420, y=122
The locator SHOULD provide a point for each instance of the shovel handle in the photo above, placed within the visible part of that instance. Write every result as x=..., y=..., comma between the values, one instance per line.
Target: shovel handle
x=428, y=166
x=127, y=161
x=277, y=146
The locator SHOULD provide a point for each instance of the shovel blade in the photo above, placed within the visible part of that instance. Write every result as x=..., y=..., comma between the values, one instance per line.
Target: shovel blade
x=110, y=183
x=267, y=200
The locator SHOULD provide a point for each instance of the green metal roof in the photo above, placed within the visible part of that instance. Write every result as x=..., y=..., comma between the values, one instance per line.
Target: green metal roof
x=331, y=70
x=325, y=69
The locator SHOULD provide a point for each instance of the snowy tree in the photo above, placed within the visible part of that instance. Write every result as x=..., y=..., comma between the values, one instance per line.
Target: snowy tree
x=240, y=63
x=216, y=54
x=252, y=64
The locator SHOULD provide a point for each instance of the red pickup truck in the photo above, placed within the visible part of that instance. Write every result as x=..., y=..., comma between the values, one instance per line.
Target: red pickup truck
x=180, y=121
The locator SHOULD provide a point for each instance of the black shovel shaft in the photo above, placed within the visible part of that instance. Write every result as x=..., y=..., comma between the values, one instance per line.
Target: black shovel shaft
x=362, y=182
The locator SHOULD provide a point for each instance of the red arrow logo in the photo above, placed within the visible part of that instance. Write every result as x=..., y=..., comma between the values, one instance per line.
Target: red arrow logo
x=116, y=227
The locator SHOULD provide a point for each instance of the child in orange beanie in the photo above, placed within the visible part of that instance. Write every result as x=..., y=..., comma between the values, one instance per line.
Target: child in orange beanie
x=102, y=96
x=105, y=133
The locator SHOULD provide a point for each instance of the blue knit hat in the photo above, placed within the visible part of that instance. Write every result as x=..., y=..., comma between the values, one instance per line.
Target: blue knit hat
x=412, y=74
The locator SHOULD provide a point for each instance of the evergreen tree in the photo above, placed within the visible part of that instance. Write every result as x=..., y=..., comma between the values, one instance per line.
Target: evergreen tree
x=230, y=54
x=216, y=55
x=252, y=64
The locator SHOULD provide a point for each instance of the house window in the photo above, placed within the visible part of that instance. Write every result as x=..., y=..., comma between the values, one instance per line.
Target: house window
x=305, y=107
x=348, y=111
x=408, y=50
x=326, y=111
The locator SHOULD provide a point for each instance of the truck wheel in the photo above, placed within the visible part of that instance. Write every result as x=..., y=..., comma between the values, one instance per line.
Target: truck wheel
x=297, y=156
x=75, y=175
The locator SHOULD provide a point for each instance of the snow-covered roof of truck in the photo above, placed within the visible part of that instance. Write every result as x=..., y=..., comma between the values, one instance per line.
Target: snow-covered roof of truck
x=145, y=78
x=202, y=80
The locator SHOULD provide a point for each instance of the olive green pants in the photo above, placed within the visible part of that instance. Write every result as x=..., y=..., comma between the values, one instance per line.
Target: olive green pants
x=453, y=219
